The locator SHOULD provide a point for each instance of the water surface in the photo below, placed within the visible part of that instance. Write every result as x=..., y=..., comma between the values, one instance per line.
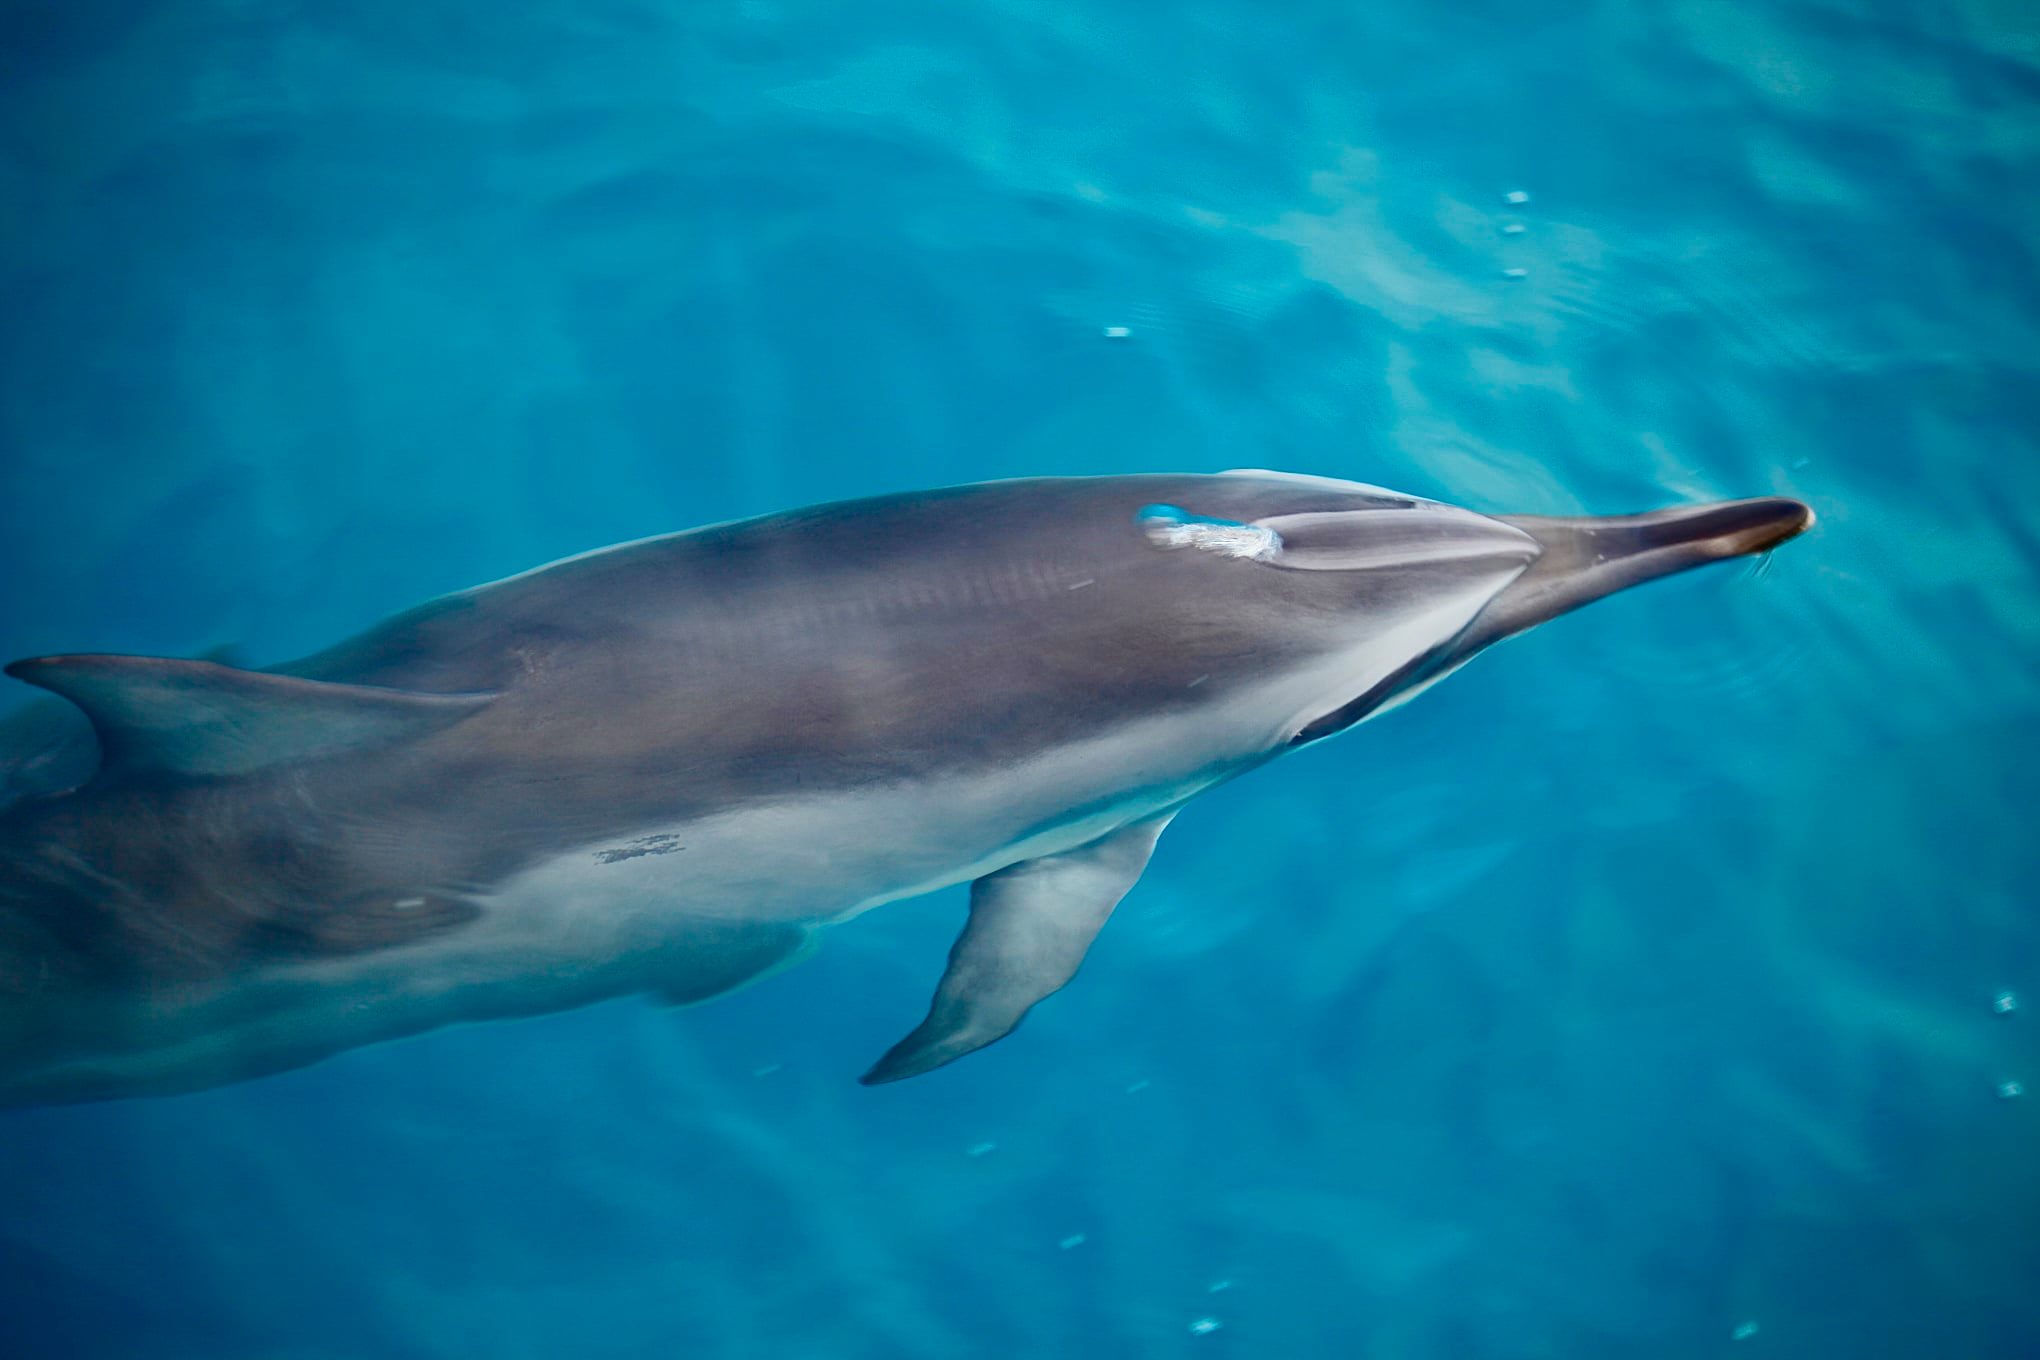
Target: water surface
x=1630, y=991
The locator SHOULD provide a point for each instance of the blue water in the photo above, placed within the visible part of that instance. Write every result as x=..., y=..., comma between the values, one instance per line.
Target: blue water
x=1630, y=991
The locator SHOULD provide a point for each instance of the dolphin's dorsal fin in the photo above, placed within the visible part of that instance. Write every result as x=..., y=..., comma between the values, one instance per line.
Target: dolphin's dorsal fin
x=169, y=716
x=1030, y=924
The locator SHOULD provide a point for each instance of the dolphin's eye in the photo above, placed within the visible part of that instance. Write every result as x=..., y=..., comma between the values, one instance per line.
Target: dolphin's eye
x=1168, y=526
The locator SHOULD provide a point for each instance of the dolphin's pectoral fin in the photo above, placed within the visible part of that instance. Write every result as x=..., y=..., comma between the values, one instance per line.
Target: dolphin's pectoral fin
x=1029, y=926
x=711, y=964
x=160, y=714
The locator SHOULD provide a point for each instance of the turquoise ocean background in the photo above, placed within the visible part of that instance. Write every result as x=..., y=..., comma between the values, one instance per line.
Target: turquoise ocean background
x=1630, y=995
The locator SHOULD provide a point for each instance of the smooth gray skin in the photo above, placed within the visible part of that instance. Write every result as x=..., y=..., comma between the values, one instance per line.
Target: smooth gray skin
x=660, y=767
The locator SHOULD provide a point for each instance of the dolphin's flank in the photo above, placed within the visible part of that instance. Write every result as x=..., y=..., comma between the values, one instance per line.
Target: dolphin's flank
x=663, y=767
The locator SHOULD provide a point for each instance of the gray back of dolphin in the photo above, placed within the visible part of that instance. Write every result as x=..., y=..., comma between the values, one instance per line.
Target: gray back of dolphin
x=659, y=767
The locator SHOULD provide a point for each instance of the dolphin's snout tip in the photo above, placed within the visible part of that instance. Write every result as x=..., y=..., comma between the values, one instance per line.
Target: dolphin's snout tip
x=1774, y=520
x=1798, y=515
x=1589, y=557
x=1726, y=528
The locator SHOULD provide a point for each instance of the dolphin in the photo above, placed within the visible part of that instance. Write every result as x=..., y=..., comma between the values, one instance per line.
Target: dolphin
x=661, y=768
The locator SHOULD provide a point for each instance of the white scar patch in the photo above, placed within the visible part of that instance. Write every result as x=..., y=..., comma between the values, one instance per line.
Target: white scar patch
x=1168, y=527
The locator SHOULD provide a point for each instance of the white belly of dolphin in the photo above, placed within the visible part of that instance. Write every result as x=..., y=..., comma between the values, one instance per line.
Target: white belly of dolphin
x=816, y=861
x=701, y=906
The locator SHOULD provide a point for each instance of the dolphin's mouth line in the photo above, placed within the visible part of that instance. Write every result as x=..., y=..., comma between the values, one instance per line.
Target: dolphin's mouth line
x=1591, y=557
x=1729, y=529
x=1581, y=560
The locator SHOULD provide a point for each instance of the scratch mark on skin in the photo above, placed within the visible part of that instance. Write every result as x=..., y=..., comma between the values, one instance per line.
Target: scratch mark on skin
x=637, y=849
x=1167, y=526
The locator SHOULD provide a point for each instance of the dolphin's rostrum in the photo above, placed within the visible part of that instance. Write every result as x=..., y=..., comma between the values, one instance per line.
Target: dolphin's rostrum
x=660, y=768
